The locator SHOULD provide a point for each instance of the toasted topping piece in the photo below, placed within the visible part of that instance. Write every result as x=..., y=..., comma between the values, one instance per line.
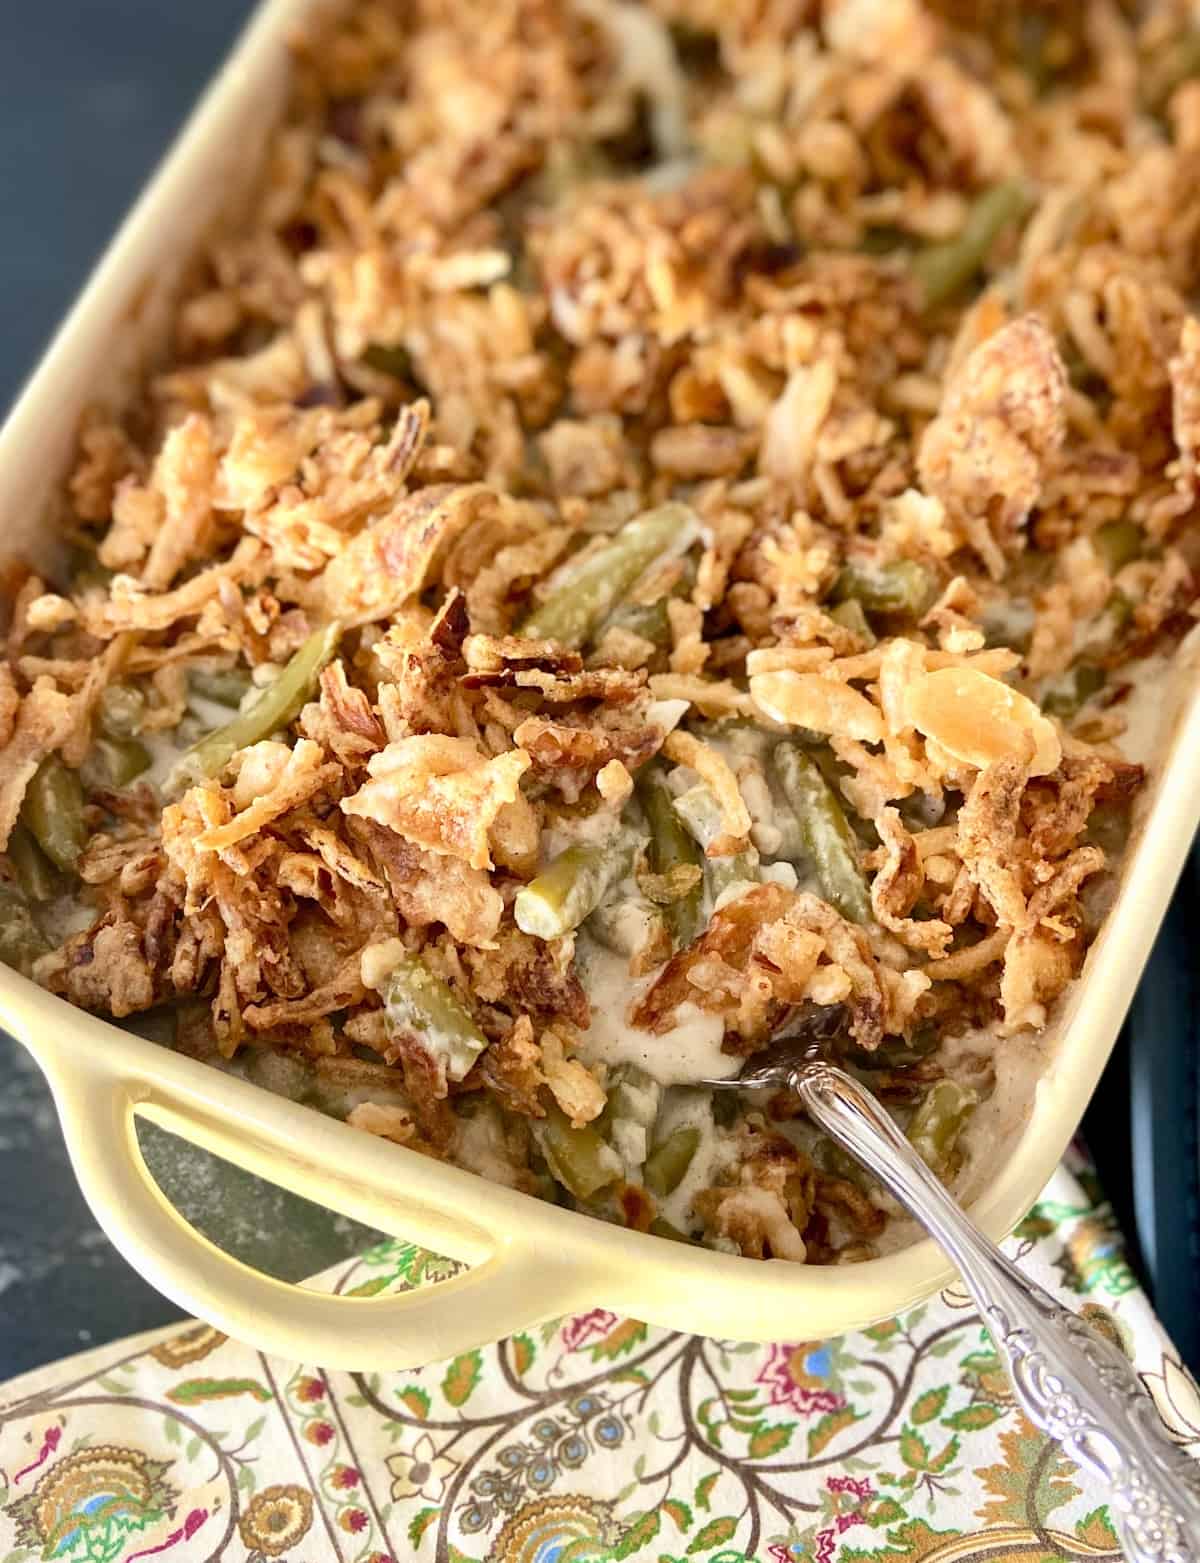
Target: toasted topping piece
x=978, y=719
x=824, y=705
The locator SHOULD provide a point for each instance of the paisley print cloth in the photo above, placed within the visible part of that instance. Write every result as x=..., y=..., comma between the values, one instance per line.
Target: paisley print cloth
x=592, y=1438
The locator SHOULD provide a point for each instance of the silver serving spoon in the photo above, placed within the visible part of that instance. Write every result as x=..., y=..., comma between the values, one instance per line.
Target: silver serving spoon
x=1070, y=1382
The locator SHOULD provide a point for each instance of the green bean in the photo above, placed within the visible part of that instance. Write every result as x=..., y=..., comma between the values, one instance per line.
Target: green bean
x=633, y=1097
x=53, y=811
x=225, y=686
x=661, y=1228
x=21, y=940
x=278, y=705
x=942, y=270
x=630, y=1114
x=1118, y=543
x=1119, y=610
x=894, y=1052
x=395, y=361
x=701, y=814
x=92, y=576
x=572, y=886
x=828, y=839
x=122, y=710
x=938, y=1120
x=849, y=614
x=724, y=1107
x=1032, y=33
x=36, y=875
x=1073, y=691
x=419, y=1004
x=667, y=1164
x=1012, y=627
x=831, y=1158
x=651, y=620
x=578, y=1158
x=589, y=592
x=671, y=847
x=648, y=620
x=904, y=586
x=114, y=762
x=883, y=240
x=1178, y=63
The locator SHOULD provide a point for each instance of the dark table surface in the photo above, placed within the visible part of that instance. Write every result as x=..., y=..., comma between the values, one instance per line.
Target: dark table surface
x=90, y=96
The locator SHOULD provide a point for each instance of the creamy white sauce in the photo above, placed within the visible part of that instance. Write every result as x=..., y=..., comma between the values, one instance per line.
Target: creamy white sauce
x=690, y=1051
x=1148, y=715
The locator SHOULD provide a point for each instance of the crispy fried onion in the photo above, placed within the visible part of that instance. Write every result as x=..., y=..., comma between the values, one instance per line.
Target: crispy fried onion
x=429, y=887
x=271, y=781
x=1003, y=419
x=769, y=948
x=767, y=1209
x=43, y=721
x=440, y=793
x=897, y=886
x=712, y=767
x=380, y=569
x=988, y=841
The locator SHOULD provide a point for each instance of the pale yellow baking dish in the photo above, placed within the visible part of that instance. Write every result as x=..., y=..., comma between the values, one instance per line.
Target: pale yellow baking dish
x=529, y=1261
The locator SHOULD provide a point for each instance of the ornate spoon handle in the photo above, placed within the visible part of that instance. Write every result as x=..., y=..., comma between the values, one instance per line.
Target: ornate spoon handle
x=1070, y=1383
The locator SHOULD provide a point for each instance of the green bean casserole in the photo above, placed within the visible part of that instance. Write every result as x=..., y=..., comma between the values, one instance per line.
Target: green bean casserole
x=662, y=521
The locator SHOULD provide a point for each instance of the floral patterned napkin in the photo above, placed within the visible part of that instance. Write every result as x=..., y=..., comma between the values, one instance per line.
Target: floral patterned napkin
x=594, y=1437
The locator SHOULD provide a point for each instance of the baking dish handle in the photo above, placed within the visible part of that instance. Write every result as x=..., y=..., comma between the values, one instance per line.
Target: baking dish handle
x=514, y=1286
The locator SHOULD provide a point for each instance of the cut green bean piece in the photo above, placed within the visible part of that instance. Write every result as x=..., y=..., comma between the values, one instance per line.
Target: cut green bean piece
x=1073, y=691
x=937, y=1122
x=667, y=1164
x=904, y=586
x=1011, y=626
x=278, y=705
x=578, y=1158
x=849, y=614
x=651, y=620
x=1178, y=63
x=828, y=839
x=944, y=269
x=53, y=811
x=633, y=1096
x=1032, y=34
x=831, y=1158
x=572, y=886
x=630, y=1114
x=224, y=686
x=1118, y=543
x=395, y=360
x=661, y=1228
x=724, y=1109
x=35, y=873
x=893, y=1052
x=122, y=710
x=21, y=940
x=648, y=620
x=671, y=846
x=420, y=1005
x=883, y=240
x=589, y=593
x=701, y=815
x=114, y=762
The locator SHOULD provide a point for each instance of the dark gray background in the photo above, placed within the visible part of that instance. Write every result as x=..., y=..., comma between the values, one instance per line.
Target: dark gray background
x=91, y=95
x=91, y=92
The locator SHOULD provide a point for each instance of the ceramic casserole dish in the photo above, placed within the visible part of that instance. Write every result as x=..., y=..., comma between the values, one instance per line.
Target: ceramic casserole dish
x=527, y=1261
